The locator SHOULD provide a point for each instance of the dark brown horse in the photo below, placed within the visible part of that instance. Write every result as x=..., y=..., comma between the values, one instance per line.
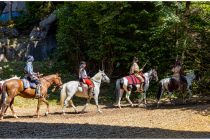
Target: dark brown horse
x=14, y=88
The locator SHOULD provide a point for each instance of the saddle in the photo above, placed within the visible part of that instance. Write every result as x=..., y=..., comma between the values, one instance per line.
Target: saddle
x=133, y=80
x=28, y=84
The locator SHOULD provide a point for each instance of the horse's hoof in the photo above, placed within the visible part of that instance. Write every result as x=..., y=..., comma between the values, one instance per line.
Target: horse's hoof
x=142, y=105
x=63, y=113
x=46, y=114
x=1, y=118
x=15, y=116
x=36, y=116
x=99, y=111
x=132, y=105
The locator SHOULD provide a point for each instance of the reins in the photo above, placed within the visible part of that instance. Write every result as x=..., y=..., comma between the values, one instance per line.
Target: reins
x=51, y=82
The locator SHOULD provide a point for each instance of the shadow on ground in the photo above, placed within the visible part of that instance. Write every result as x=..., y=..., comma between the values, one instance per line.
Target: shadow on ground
x=62, y=130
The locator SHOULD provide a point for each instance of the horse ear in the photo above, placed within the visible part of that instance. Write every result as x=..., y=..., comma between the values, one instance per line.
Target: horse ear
x=99, y=70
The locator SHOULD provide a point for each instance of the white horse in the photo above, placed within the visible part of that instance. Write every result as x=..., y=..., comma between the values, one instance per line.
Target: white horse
x=164, y=86
x=72, y=88
x=122, y=86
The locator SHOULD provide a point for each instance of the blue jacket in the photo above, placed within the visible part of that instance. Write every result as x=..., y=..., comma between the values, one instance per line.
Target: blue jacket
x=29, y=69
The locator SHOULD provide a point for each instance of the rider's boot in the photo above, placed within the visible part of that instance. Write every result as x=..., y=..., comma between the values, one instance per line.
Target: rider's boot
x=37, y=91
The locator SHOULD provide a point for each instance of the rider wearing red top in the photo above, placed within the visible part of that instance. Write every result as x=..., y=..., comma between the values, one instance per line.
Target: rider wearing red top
x=137, y=72
x=83, y=77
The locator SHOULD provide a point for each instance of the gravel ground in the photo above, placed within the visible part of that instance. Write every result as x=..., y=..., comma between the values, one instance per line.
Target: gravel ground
x=180, y=121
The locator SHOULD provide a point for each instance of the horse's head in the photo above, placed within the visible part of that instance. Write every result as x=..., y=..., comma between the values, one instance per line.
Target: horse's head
x=57, y=80
x=154, y=75
x=105, y=78
x=191, y=75
x=101, y=76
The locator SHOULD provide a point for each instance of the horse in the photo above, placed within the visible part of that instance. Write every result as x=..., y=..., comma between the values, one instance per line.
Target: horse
x=122, y=86
x=170, y=85
x=13, y=88
x=1, y=85
x=72, y=88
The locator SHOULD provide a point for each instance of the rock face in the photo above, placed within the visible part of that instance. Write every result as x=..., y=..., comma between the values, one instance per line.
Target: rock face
x=40, y=43
x=19, y=48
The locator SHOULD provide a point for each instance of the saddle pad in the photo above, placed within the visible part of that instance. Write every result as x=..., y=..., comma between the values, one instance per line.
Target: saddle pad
x=132, y=79
x=28, y=84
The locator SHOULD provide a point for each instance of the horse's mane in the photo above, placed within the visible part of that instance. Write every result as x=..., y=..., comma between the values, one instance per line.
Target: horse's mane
x=48, y=76
x=96, y=75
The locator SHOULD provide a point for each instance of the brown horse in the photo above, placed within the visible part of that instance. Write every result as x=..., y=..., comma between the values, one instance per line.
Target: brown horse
x=14, y=88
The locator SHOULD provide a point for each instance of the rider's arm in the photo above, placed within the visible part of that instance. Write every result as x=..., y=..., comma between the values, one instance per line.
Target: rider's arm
x=82, y=73
x=132, y=69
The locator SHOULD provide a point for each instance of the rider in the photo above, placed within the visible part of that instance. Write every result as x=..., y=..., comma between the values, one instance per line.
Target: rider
x=177, y=70
x=137, y=72
x=32, y=76
x=84, y=78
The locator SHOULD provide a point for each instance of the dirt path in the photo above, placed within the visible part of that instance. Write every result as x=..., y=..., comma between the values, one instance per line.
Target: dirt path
x=167, y=122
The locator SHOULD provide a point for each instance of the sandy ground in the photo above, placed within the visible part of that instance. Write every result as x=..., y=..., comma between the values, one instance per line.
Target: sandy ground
x=169, y=121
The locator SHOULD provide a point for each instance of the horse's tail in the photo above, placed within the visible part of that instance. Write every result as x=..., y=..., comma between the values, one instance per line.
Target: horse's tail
x=63, y=95
x=3, y=95
x=159, y=91
x=117, y=89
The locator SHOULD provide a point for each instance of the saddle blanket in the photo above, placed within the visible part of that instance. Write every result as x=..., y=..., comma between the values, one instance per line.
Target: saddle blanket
x=133, y=80
x=28, y=84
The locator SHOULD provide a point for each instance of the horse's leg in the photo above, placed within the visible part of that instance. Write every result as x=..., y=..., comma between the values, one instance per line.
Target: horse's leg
x=96, y=101
x=143, y=97
x=47, y=104
x=190, y=93
x=161, y=94
x=128, y=98
x=66, y=103
x=72, y=104
x=38, y=107
x=170, y=95
x=88, y=101
x=12, y=109
x=120, y=97
x=5, y=105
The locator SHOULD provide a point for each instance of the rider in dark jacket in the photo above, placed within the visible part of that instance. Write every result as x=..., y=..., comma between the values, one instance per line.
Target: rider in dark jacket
x=31, y=75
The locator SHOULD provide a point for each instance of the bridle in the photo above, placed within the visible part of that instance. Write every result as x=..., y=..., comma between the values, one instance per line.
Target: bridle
x=58, y=86
x=103, y=76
